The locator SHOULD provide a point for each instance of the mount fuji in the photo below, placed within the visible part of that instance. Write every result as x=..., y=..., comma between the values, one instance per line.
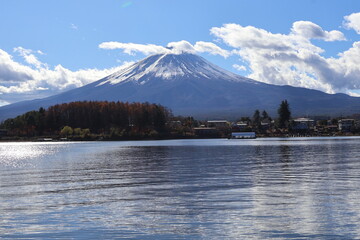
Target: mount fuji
x=190, y=85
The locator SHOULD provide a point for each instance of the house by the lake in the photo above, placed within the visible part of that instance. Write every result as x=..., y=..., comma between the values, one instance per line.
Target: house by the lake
x=345, y=125
x=303, y=124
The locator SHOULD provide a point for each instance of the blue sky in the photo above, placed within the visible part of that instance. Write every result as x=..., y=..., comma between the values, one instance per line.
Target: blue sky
x=52, y=46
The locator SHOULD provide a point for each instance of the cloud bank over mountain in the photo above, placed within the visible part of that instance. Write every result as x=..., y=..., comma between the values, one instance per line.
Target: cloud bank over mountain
x=172, y=47
x=19, y=81
x=293, y=59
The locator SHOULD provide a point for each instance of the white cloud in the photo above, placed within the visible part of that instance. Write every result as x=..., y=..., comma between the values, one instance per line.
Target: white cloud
x=352, y=21
x=239, y=67
x=292, y=59
x=250, y=37
x=211, y=48
x=181, y=47
x=311, y=30
x=172, y=47
x=132, y=48
x=19, y=79
x=29, y=57
x=73, y=26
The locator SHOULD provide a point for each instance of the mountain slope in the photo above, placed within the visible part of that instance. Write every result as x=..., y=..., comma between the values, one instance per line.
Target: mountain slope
x=190, y=85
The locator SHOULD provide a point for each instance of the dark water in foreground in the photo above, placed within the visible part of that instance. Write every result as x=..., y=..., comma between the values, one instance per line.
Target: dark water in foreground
x=182, y=189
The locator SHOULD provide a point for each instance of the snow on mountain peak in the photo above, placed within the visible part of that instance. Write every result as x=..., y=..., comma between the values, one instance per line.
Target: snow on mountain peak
x=170, y=67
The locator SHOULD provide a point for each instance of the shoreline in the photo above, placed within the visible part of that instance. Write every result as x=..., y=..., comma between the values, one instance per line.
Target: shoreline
x=56, y=139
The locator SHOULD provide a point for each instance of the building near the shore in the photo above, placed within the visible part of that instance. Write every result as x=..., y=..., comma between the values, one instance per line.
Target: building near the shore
x=218, y=123
x=206, y=132
x=239, y=126
x=265, y=125
x=243, y=135
x=345, y=125
x=303, y=124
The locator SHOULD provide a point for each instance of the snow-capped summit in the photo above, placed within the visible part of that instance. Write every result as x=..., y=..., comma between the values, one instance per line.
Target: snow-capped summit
x=170, y=66
x=190, y=85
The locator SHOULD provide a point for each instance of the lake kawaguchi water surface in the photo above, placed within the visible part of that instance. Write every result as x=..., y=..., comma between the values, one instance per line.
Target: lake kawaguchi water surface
x=299, y=188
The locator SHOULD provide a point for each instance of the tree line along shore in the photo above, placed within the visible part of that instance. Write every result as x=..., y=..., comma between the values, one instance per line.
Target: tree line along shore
x=102, y=120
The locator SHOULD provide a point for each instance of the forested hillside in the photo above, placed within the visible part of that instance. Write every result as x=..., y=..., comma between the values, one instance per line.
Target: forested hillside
x=116, y=118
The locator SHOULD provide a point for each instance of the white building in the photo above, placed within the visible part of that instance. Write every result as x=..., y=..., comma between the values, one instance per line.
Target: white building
x=243, y=135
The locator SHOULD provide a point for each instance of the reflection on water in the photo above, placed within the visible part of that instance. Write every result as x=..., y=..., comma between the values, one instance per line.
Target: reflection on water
x=207, y=189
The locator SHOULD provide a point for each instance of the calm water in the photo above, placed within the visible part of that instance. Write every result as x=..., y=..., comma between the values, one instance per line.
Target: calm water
x=182, y=189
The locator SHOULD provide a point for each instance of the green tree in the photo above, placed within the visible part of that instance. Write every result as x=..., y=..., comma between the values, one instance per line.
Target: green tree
x=323, y=122
x=265, y=115
x=284, y=114
x=334, y=121
x=85, y=133
x=66, y=131
x=245, y=119
x=77, y=131
x=257, y=119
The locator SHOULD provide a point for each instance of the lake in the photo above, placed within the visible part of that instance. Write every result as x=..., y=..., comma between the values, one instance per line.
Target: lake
x=296, y=188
